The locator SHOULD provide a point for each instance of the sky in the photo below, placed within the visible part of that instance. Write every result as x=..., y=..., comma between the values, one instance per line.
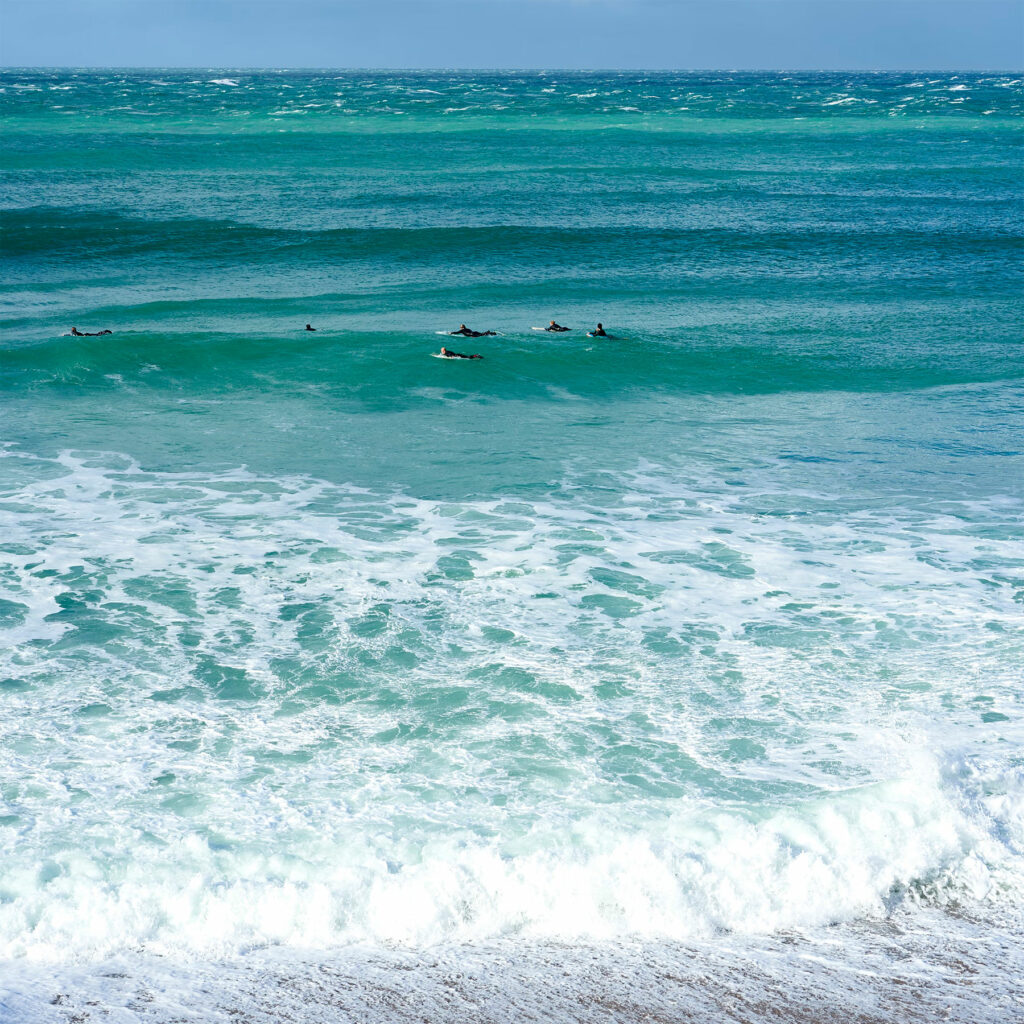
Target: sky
x=599, y=34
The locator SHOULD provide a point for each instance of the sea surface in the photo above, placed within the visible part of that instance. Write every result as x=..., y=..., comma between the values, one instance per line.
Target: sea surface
x=674, y=675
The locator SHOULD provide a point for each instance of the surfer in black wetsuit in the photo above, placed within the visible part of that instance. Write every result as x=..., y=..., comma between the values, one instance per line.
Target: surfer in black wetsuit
x=310, y=327
x=557, y=328
x=599, y=332
x=88, y=334
x=467, y=333
x=448, y=354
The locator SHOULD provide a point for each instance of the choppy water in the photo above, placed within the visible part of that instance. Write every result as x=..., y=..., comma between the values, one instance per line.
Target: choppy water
x=589, y=652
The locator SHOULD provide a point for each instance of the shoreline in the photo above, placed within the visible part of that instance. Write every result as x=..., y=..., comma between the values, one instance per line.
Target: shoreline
x=921, y=965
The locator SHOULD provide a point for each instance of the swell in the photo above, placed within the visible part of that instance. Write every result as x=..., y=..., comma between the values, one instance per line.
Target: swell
x=47, y=233
x=393, y=366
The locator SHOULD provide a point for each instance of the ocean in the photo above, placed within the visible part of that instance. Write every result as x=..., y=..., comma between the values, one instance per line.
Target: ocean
x=674, y=675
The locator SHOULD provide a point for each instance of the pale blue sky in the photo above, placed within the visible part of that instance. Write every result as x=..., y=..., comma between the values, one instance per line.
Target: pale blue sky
x=847, y=34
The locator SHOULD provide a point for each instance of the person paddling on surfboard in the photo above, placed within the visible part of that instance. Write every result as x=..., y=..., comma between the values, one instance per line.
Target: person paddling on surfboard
x=557, y=328
x=448, y=354
x=310, y=327
x=467, y=333
x=88, y=334
x=599, y=332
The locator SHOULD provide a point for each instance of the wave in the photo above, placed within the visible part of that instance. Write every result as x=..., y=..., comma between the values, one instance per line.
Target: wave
x=46, y=232
x=388, y=366
x=705, y=872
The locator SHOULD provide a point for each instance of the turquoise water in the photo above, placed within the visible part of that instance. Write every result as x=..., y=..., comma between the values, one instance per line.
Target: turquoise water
x=311, y=639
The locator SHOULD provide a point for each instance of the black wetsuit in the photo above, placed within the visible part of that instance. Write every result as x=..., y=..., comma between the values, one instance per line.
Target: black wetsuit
x=467, y=333
x=448, y=354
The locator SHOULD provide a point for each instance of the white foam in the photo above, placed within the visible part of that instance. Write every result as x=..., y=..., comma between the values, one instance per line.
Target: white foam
x=666, y=716
x=703, y=870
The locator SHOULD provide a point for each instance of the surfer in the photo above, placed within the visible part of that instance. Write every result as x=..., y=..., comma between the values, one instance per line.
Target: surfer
x=557, y=328
x=599, y=332
x=467, y=333
x=88, y=334
x=310, y=327
x=448, y=354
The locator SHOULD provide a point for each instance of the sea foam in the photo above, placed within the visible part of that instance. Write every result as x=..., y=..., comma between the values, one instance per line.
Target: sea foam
x=309, y=714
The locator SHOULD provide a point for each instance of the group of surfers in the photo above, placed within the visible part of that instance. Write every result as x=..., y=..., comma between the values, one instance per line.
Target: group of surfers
x=465, y=332
x=447, y=353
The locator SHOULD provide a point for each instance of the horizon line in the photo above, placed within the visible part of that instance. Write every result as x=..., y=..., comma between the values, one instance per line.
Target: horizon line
x=513, y=70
